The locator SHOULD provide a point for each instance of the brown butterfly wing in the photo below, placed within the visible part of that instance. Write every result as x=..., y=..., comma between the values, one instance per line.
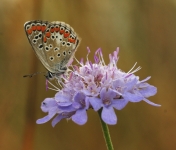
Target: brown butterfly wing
x=34, y=31
x=54, y=43
x=60, y=45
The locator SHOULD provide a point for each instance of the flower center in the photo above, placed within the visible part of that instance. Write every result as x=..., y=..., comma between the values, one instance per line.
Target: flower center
x=68, y=114
x=97, y=79
x=106, y=102
x=82, y=102
x=93, y=91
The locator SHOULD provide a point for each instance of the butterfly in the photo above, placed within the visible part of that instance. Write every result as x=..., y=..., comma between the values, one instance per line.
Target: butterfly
x=54, y=43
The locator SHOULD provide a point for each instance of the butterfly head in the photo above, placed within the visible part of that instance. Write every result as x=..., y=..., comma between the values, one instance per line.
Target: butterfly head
x=51, y=76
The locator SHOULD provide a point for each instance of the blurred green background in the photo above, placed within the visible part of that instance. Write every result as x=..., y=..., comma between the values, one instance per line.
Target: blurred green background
x=145, y=31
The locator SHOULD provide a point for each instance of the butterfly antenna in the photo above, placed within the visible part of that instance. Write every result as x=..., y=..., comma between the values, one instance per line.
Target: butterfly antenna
x=31, y=75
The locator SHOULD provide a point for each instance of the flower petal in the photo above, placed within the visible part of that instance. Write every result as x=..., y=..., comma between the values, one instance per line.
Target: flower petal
x=64, y=104
x=46, y=118
x=131, y=83
x=62, y=97
x=80, y=117
x=119, y=103
x=132, y=97
x=108, y=115
x=79, y=97
x=57, y=119
x=69, y=108
x=76, y=105
x=104, y=94
x=47, y=104
x=148, y=91
x=95, y=102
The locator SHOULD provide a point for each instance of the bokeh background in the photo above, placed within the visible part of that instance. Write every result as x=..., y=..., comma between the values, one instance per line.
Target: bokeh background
x=145, y=32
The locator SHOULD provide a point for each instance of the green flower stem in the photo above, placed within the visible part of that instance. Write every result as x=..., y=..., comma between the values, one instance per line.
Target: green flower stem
x=106, y=132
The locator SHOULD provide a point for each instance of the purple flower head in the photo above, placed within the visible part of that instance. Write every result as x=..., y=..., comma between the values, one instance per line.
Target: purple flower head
x=98, y=86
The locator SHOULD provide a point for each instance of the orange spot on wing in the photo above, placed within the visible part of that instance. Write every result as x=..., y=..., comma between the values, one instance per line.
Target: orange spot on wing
x=57, y=29
x=62, y=31
x=39, y=28
x=71, y=40
x=44, y=39
x=43, y=28
x=34, y=28
x=48, y=34
x=29, y=31
x=52, y=30
x=66, y=35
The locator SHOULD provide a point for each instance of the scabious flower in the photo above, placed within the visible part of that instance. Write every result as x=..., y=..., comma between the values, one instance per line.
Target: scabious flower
x=96, y=86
